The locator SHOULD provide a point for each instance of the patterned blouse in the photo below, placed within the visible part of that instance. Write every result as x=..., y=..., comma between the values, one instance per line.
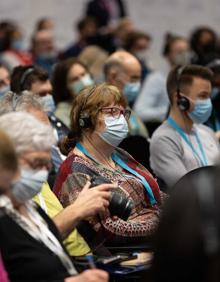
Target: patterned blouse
x=143, y=220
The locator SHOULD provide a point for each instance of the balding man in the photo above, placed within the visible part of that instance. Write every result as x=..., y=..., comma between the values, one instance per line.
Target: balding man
x=123, y=70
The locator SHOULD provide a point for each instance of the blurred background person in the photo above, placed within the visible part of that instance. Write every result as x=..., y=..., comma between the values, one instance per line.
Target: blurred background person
x=123, y=70
x=214, y=120
x=69, y=78
x=94, y=57
x=12, y=52
x=203, y=42
x=87, y=31
x=152, y=103
x=105, y=12
x=187, y=240
x=4, y=80
x=36, y=80
x=43, y=50
x=45, y=23
x=9, y=170
x=138, y=44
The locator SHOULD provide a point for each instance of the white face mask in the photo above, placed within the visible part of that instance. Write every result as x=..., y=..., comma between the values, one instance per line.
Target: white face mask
x=29, y=184
x=116, y=129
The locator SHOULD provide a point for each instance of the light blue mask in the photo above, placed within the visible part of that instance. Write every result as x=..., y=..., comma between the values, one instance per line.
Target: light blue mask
x=77, y=86
x=116, y=129
x=29, y=185
x=131, y=90
x=4, y=90
x=202, y=111
x=17, y=44
x=48, y=103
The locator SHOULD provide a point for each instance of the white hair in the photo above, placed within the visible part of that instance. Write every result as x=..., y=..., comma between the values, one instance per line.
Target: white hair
x=26, y=132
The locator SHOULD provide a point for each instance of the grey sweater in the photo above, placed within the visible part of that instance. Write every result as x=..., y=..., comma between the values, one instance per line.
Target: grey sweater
x=171, y=157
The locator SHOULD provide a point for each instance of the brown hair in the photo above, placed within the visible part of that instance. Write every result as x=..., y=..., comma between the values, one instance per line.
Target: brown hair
x=89, y=101
x=8, y=157
x=186, y=78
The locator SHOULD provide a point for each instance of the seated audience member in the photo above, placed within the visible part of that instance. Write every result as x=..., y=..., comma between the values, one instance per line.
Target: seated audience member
x=75, y=244
x=182, y=143
x=138, y=43
x=31, y=103
x=36, y=80
x=187, y=240
x=35, y=251
x=124, y=71
x=99, y=122
x=43, y=50
x=203, y=42
x=12, y=52
x=4, y=80
x=152, y=103
x=9, y=166
x=214, y=120
x=69, y=78
x=45, y=23
x=87, y=31
x=94, y=58
x=105, y=11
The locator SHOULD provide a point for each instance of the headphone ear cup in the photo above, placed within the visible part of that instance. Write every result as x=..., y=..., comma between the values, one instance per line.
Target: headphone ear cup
x=85, y=121
x=183, y=103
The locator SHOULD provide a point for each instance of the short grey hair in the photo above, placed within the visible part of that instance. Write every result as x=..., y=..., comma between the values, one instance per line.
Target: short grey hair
x=27, y=133
x=12, y=102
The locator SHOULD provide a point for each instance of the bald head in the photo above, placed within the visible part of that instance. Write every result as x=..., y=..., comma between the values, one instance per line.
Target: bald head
x=122, y=67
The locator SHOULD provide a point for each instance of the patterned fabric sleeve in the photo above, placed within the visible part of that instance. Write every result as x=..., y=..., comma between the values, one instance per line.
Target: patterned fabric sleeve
x=144, y=225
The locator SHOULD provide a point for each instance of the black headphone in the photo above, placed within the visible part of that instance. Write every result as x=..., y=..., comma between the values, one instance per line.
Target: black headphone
x=84, y=118
x=24, y=76
x=182, y=101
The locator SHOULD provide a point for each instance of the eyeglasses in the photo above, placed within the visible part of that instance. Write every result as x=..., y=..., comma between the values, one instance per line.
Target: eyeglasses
x=39, y=163
x=116, y=112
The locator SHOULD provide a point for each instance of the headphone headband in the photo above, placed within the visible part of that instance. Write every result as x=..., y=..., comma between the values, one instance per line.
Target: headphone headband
x=182, y=101
x=24, y=76
x=85, y=121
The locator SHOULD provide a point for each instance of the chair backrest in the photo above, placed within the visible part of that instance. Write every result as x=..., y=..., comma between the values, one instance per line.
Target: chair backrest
x=139, y=148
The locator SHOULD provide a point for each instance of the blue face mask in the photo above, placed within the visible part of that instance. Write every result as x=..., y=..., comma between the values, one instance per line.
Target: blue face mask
x=202, y=111
x=48, y=103
x=79, y=85
x=17, y=44
x=4, y=90
x=131, y=90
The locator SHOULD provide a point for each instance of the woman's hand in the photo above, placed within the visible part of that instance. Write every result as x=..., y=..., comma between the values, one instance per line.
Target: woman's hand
x=92, y=201
x=91, y=275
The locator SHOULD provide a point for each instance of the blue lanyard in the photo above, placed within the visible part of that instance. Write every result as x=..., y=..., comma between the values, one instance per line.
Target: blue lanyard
x=202, y=159
x=121, y=163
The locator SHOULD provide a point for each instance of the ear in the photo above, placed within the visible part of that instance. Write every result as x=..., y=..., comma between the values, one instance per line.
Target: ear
x=112, y=76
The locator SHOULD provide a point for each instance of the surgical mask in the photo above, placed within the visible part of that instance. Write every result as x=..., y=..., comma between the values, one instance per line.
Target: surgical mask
x=131, y=90
x=17, y=44
x=116, y=129
x=48, y=103
x=80, y=84
x=183, y=58
x=47, y=55
x=202, y=111
x=4, y=90
x=29, y=185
